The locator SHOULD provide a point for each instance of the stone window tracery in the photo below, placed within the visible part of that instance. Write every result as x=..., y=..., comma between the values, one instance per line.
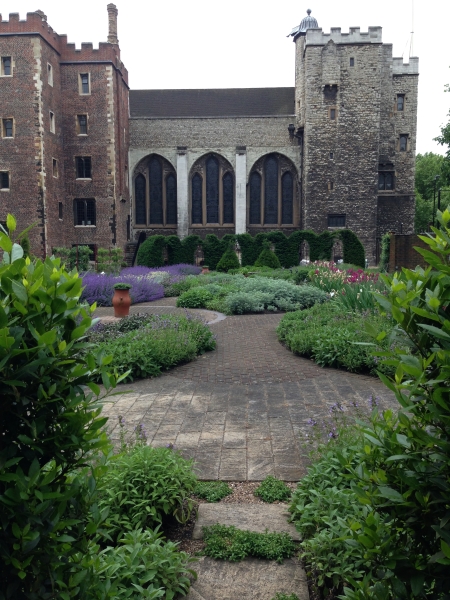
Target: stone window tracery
x=212, y=192
x=155, y=193
x=272, y=192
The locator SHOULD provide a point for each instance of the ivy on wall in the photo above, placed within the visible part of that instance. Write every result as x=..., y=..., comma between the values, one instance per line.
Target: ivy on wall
x=287, y=249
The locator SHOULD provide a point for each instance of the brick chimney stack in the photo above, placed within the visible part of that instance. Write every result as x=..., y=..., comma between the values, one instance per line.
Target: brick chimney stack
x=112, y=24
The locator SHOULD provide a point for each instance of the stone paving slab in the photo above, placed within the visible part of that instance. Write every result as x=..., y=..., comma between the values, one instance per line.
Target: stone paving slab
x=248, y=517
x=242, y=411
x=250, y=579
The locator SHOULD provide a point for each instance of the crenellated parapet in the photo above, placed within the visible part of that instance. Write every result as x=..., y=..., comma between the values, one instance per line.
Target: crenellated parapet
x=316, y=37
x=36, y=24
x=409, y=68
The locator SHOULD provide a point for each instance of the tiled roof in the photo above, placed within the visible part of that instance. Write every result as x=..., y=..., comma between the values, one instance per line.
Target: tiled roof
x=244, y=102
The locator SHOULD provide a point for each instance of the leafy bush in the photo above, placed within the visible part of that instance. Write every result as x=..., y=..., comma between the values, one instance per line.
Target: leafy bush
x=143, y=485
x=212, y=491
x=327, y=334
x=272, y=489
x=406, y=471
x=267, y=258
x=301, y=275
x=51, y=425
x=229, y=543
x=353, y=249
x=228, y=261
x=141, y=565
x=323, y=508
x=157, y=343
x=385, y=252
x=196, y=297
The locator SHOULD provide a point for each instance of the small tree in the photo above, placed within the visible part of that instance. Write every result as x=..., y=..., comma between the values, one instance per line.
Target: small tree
x=228, y=261
x=51, y=423
x=267, y=258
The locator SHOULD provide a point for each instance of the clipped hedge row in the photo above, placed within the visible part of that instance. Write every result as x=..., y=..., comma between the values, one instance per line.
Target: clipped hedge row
x=150, y=253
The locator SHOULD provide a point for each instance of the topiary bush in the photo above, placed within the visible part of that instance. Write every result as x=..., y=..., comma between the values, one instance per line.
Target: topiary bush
x=51, y=426
x=228, y=261
x=267, y=258
x=150, y=253
x=353, y=249
x=196, y=297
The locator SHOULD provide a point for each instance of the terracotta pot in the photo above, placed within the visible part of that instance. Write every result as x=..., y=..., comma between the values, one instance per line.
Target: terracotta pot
x=205, y=270
x=121, y=302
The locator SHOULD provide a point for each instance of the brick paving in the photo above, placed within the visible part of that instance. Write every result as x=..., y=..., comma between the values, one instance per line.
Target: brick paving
x=242, y=411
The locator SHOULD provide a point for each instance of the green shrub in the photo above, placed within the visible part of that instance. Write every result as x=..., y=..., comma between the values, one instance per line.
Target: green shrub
x=385, y=252
x=196, y=297
x=353, y=249
x=272, y=489
x=178, y=288
x=141, y=565
x=229, y=543
x=301, y=275
x=228, y=261
x=150, y=253
x=159, y=343
x=51, y=425
x=405, y=474
x=257, y=294
x=267, y=258
x=143, y=485
x=327, y=334
x=212, y=491
x=285, y=597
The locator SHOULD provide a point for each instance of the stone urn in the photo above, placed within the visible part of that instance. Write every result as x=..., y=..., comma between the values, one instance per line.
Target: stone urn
x=121, y=300
x=205, y=270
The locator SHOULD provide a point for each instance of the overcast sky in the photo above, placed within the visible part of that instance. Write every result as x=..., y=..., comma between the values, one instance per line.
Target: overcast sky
x=243, y=43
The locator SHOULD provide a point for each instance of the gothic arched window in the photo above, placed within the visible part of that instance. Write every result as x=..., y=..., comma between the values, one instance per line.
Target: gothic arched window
x=272, y=192
x=212, y=192
x=155, y=193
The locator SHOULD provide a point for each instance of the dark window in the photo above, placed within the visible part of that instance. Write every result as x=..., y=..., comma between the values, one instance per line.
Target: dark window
x=336, y=220
x=55, y=167
x=352, y=61
x=82, y=124
x=52, y=122
x=271, y=191
x=84, y=211
x=7, y=127
x=197, y=200
x=140, y=200
x=330, y=186
x=6, y=65
x=212, y=190
x=60, y=210
x=156, y=192
x=84, y=170
x=171, y=199
x=385, y=180
x=331, y=155
x=400, y=102
x=84, y=80
x=228, y=197
x=4, y=180
x=255, y=199
x=403, y=143
x=333, y=114
x=287, y=199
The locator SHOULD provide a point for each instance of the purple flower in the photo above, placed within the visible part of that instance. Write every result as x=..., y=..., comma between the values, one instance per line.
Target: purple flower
x=100, y=288
x=312, y=422
x=336, y=408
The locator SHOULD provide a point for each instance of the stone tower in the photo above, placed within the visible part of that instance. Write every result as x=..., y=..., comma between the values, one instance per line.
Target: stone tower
x=356, y=112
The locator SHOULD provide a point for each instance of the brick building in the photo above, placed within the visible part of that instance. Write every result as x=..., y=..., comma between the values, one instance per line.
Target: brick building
x=336, y=150
x=64, y=144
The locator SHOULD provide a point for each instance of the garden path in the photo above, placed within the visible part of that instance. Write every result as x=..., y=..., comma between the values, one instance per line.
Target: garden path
x=242, y=411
